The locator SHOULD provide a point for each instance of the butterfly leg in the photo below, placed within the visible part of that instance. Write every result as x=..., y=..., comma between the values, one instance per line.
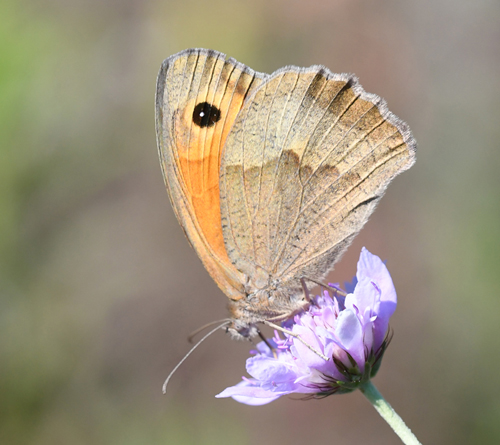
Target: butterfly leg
x=264, y=339
x=306, y=290
x=321, y=284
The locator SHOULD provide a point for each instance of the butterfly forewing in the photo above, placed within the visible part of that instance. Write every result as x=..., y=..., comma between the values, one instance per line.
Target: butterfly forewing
x=199, y=95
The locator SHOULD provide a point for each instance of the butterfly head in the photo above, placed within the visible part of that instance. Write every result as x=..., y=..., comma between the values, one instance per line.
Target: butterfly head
x=240, y=330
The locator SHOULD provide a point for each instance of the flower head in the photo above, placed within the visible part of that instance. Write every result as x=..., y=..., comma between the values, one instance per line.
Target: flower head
x=352, y=331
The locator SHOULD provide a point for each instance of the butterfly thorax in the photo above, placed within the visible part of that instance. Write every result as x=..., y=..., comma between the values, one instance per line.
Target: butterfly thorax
x=271, y=304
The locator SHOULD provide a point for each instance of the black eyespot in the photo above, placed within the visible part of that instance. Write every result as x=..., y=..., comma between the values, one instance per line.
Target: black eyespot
x=205, y=115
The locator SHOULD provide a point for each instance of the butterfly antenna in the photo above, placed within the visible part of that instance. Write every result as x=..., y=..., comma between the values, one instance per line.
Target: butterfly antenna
x=293, y=334
x=202, y=328
x=164, y=389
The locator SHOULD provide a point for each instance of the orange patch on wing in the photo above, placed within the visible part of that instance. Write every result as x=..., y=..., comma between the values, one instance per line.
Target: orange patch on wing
x=200, y=163
x=204, y=197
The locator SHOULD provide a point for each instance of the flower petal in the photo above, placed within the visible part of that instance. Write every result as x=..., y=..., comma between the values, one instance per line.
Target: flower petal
x=371, y=266
x=365, y=300
x=248, y=393
x=306, y=356
x=255, y=401
x=268, y=369
x=350, y=336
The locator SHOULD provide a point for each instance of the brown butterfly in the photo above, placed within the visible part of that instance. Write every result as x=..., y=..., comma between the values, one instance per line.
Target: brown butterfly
x=271, y=176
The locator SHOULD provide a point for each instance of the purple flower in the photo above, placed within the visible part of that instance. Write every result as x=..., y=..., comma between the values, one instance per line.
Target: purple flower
x=352, y=331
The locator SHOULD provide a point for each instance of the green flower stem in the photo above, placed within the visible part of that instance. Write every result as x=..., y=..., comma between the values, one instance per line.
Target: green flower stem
x=389, y=415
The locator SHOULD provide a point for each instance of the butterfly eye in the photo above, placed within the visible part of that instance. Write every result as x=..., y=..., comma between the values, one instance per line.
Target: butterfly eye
x=205, y=115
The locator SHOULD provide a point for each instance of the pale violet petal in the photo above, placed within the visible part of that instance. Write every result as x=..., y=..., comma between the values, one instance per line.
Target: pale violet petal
x=246, y=392
x=366, y=299
x=269, y=369
x=255, y=401
x=349, y=333
x=310, y=358
x=371, y=266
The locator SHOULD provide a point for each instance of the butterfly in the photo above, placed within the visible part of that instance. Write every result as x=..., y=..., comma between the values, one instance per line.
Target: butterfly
x=271, y=175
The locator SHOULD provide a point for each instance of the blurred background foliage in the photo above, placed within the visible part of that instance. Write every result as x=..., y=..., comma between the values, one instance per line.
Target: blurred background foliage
x=99, y=288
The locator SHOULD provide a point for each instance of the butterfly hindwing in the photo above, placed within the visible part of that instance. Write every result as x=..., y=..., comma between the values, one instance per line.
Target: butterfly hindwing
x=307, y=159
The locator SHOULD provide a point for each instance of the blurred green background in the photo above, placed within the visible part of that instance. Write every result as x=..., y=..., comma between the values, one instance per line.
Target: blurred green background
x=99, y=288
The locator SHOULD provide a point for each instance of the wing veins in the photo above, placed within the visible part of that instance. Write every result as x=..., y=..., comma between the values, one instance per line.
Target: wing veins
x=315, y=198
x=264, y=149
x=191, y=125
x=182, y=179
x=288, y=133
x=225, y=117
x=278, y=225
x=343, y=137
x=301, y=265
x=293, y=225
x=281, y=152
x=206, y=129
x=344, y=87
x=228, y=218
x=247, y=208
x=173, y=134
